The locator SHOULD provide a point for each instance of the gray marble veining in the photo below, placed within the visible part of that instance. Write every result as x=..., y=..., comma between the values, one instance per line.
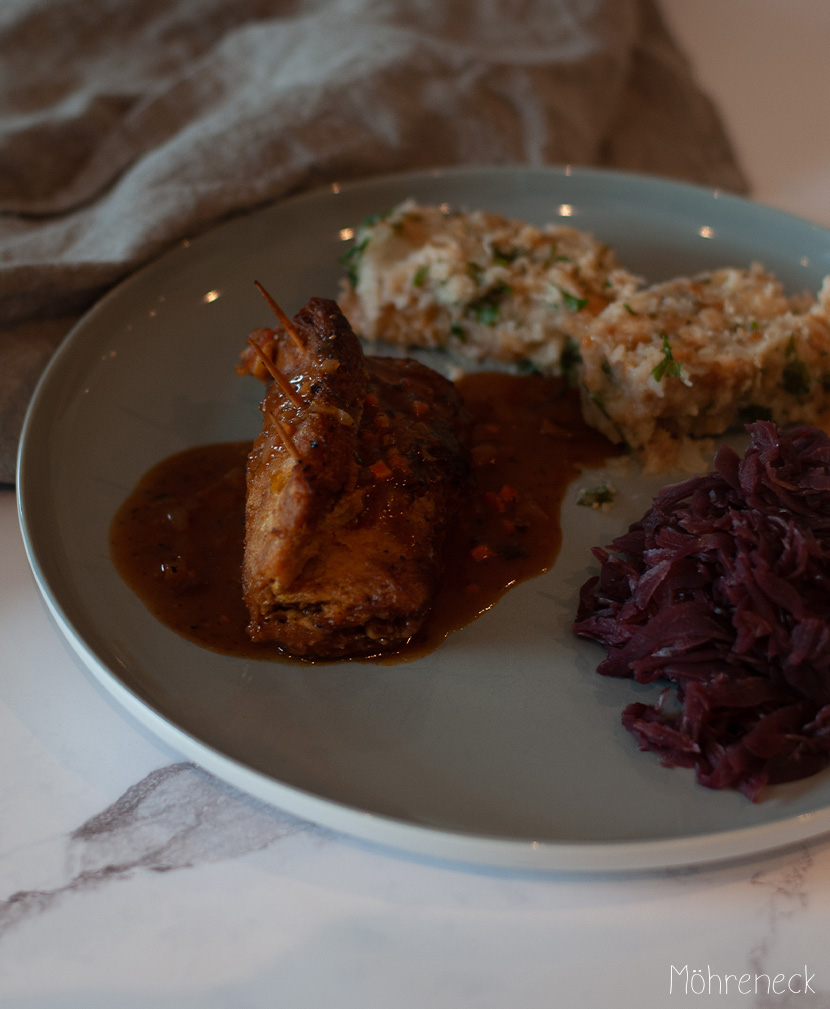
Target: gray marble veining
x=174, y=818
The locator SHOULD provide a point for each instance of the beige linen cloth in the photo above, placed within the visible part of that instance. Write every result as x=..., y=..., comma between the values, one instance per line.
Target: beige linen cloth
x=126, y=125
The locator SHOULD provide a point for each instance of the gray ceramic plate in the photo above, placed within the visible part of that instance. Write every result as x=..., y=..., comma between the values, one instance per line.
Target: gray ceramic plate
x=504, y=746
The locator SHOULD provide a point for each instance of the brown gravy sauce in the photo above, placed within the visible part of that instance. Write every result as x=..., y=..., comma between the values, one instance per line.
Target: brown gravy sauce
x=177, y=540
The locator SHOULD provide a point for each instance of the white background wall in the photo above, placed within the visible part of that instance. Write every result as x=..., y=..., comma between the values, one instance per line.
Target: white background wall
x=767, y=65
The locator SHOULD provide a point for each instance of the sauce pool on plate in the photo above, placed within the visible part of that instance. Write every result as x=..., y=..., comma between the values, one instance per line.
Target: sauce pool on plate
x=177, y=540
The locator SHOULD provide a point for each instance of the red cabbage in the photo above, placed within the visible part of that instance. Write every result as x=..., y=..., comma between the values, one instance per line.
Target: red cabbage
x=722, y=591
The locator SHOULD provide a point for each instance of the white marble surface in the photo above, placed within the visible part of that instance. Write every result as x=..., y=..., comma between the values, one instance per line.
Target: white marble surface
x=130, y=879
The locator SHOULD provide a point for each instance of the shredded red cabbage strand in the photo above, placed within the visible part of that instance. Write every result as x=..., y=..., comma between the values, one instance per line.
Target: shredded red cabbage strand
x=723, y=590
